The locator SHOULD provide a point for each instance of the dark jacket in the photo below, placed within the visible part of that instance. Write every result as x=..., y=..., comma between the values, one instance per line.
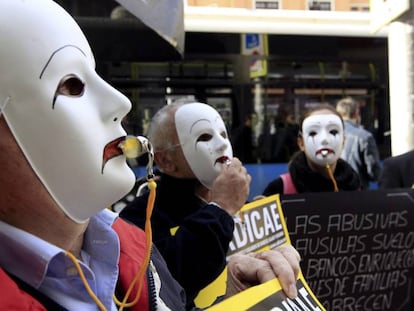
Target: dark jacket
x=398, y=172
x=361, y=152
x=306, y=180
x=196, y=252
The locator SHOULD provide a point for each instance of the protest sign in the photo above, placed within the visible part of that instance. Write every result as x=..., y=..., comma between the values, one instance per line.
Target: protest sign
x=260, y=226
x=357, y=248
x=270, y=297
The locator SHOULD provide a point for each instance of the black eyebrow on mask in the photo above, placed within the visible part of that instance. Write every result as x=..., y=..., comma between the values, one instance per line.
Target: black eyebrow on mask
x=54, y=53
x=197, y=122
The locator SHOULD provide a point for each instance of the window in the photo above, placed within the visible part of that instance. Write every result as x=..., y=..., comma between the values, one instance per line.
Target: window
x=359, y=7
x=320, y=5
x=268, y=4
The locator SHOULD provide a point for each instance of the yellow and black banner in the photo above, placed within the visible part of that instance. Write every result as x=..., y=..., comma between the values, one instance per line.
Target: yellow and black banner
x=259, y=226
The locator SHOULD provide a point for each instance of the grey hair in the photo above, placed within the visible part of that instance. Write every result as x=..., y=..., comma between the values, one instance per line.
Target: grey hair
x=161, y=131
x=347, y=107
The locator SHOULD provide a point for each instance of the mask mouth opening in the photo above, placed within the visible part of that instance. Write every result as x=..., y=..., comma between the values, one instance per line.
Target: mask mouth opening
x=223, y=160
x=325, y=152
x=111, y=150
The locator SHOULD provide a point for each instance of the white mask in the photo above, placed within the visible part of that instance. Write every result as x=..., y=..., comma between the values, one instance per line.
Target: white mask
x=204, y=140
x=323, y=137
x=63, y=138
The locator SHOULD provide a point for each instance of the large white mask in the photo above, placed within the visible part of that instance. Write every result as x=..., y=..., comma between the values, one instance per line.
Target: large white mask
x=204, y=140
x=323, y=137
x=69, y=137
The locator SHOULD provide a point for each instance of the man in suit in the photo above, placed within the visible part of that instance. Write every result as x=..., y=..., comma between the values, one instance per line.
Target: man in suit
x=398, y=172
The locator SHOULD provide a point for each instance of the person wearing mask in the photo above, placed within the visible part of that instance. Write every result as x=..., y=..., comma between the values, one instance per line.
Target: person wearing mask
x=317, y=167
x=62, y=165
x=201, y=186
x=360, y=150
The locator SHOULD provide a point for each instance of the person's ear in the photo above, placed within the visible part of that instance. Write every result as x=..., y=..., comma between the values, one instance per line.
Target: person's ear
x=300, y=143
x=356, y=115
x=164, y=162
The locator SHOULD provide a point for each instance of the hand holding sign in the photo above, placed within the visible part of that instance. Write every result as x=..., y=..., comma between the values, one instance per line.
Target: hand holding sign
x=247, y=271
x=271, y=262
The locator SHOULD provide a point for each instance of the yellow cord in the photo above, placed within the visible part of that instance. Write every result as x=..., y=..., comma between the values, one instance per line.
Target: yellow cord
x=140, y=274
x=85, y=282
x=331, y=176
x=148, y=232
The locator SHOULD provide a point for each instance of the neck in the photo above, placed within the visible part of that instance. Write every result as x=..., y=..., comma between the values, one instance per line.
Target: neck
x=323, y=170
x=203, y=193
x=46, y=221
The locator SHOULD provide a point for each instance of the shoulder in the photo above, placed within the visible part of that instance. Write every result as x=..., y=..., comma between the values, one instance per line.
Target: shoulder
x=352, y=128
x=407, y=156
x=13, y=298
x=129, y=233
x=274, y=187
x=288, y=185
x=135, y=211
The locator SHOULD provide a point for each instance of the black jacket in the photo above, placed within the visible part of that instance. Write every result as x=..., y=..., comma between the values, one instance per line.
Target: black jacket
x=196, y=253
x=398, y=172
x=306, y=180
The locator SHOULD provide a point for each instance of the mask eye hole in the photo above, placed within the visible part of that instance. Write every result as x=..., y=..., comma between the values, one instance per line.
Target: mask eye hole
x=70, y=86
x=204, y=137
